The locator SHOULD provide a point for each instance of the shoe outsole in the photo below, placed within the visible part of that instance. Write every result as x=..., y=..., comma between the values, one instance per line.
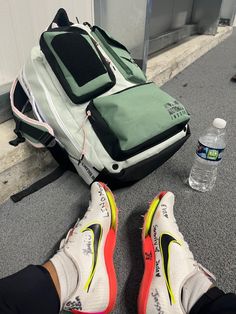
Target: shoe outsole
x=108, y=254
x=148, y=255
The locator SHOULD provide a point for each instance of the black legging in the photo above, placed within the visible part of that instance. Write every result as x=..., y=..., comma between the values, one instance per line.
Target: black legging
x=31, y=291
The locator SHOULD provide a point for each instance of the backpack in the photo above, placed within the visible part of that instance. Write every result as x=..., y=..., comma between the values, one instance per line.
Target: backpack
x=81, y=95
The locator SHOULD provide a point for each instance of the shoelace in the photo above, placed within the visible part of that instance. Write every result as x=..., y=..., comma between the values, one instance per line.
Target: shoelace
x=197, y=265
x=190, y=256
x=73, y=231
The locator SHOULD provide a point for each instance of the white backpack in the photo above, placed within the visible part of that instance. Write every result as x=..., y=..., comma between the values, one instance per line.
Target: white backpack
x=81, y=95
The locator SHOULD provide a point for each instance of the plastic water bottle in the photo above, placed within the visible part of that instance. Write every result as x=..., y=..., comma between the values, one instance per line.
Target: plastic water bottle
x=208, y=157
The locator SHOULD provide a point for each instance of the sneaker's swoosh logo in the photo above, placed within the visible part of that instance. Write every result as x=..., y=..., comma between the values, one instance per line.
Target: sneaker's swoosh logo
x=96, y=230
x=165, y=244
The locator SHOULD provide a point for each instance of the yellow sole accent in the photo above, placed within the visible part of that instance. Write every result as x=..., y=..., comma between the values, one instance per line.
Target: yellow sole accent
x=150, y=213
x=113, y=209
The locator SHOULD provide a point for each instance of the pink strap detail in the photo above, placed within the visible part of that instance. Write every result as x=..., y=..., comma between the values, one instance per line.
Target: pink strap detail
x=23, y=116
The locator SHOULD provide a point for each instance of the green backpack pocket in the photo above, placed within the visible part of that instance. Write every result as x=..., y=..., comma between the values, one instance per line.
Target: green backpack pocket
x=78, y=65
x=120, y=56
x=136, y=119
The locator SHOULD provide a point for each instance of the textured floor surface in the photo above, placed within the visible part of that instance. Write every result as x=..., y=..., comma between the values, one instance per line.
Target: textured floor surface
x=31, y=229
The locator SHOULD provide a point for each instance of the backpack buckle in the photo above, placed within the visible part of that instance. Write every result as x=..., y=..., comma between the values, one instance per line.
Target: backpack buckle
x=18, y=140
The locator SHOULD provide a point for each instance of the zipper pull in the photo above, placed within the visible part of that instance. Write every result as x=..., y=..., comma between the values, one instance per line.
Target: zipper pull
x=83, y=151
x=88, y=114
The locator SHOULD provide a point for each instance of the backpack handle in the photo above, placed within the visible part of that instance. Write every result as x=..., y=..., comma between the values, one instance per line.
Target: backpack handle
x=61, y=19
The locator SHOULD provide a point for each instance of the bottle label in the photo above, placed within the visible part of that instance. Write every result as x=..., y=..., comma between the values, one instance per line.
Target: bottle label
x=209, y=153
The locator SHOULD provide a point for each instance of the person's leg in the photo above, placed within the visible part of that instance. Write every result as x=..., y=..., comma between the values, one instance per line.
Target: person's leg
x=173, y=281
x=80, y=276
x=29, y=291
x=215, y=301
x=53, y=273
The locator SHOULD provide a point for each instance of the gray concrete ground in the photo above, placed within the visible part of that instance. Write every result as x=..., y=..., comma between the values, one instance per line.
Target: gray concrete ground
x=31, y=229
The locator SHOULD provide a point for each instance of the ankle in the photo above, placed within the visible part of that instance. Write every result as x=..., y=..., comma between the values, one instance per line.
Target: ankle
x=193, y=290
x=53, y=273
x=67, y=275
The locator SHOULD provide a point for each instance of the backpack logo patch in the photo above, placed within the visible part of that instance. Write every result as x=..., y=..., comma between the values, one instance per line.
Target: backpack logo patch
x=175, y=109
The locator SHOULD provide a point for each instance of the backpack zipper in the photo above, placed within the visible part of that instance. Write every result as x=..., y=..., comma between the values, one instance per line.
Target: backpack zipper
x=103, y=131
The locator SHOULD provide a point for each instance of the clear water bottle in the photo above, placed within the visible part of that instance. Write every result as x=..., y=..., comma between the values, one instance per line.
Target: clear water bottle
x=208, y=156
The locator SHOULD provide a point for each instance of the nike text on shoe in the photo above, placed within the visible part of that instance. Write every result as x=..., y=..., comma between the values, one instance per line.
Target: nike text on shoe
x=168, y=261
x=90, y=245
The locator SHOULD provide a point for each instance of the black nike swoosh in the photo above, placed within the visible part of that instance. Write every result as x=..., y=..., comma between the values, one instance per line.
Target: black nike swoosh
x=97, y=232
x=165, y=241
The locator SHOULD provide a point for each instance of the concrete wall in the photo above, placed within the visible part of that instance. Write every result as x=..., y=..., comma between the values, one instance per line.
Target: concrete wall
x=125, y=21
x=22, y=22
x=228, y=10
x=206, y=14
x=168, y=15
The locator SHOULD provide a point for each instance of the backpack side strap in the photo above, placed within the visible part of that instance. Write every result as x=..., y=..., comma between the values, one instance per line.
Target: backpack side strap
x=57, y=173
x=38, y=133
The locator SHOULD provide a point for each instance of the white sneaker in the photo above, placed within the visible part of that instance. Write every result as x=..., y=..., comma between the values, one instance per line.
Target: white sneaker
x=90, y=245
x=168, y=261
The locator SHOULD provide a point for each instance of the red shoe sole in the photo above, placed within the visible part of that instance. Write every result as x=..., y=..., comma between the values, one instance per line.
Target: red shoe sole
x=149, y=259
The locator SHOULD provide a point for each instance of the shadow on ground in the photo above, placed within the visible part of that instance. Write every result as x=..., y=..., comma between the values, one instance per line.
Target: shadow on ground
x=134, y=235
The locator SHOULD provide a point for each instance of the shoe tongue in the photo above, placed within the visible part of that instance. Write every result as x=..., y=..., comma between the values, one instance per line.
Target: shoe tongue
x=207, y=272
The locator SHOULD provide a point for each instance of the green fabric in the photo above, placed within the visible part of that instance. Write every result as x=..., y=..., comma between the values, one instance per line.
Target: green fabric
x=120, y=57
x=140, y=113
x=77, y=90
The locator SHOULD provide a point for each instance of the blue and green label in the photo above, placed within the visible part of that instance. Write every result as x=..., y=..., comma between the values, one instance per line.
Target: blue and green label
x=209, y=153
